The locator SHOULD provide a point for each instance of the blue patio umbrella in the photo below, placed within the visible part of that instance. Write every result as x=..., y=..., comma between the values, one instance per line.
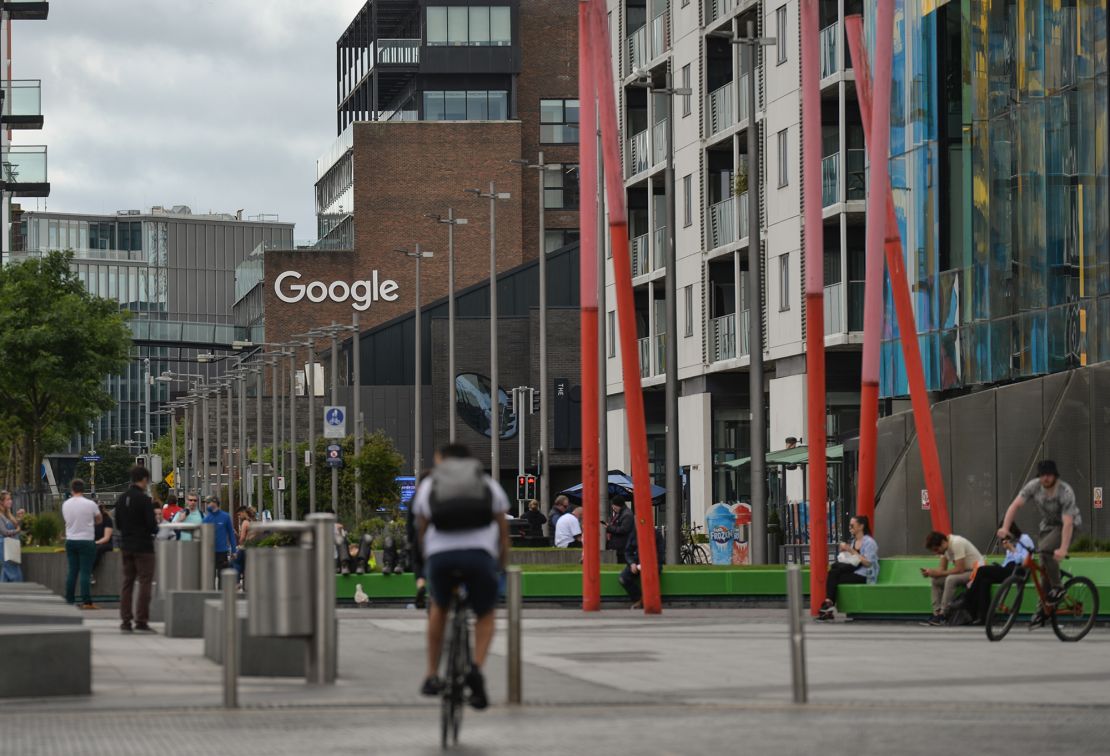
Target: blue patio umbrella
x=619, y=485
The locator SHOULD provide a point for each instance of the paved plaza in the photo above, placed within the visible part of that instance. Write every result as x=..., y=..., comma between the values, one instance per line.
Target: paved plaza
x=616, y=682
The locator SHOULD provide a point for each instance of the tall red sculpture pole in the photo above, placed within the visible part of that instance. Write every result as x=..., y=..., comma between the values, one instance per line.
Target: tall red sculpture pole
x=815, y=303
x=587, y=281
x=599, y=48
x=907, y=326
x=878, y=184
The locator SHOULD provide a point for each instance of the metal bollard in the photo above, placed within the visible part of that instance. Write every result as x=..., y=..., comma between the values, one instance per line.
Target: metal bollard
x=207, y=556
x=795, y=606
x=325, y=638
x=515, y=601
x=231, y=646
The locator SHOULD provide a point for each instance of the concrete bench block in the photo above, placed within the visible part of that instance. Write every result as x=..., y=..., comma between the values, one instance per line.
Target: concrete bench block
x=45, y=660
x=36, y=612
x=184, y=612
x=49, y=569
x=258, y=657
x=20, y=589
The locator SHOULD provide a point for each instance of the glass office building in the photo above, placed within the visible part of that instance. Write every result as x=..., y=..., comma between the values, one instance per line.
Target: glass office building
x=999, y=168
x=174, y=272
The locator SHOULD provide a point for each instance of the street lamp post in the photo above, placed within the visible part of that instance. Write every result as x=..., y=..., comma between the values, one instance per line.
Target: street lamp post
x=230, y=461
x=755, y=310
x=334, y=400
x=545, y=468
x=311, y=382
x=451, y=221
x=203, y=467
x=293, y=462
x=148, y=381
x=275, y=371
x=418, y=364
x=356, y=410
x=259, y=371
x=495, y=392
x=244, y=477
x=672, y=510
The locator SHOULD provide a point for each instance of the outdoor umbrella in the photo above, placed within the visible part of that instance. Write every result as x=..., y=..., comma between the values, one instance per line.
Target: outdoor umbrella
x=619, y=485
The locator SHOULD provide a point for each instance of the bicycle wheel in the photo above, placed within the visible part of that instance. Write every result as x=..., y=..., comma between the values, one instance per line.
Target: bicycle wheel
x=462, y=666
x=700, y=555
x=1004, y=607
x=1076, y=612
x=451, y=702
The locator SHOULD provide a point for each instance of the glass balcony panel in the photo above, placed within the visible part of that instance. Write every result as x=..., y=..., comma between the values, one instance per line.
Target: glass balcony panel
x=722, y=223
x=659, y=142
x=855, y=305
x=644, y=345
x=856, y=176
x=720, y=110
x=724, y=337
x=24, y=164
x=638, y=153
x=830, y=39
x=661, y=354
x=660, y=251
x=830, y=180
x=22, y=98
x=638, y=55
x=641, y=260
x=716, y=9
x=660, y=40
x=834, y=308
x=742, y=334
x=745, y=110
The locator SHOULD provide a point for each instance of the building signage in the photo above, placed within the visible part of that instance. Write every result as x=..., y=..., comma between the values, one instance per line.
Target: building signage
x=361, y=294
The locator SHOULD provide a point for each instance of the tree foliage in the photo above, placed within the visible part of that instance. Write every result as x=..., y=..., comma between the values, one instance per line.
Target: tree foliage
x=57, y=345
x=111, y=471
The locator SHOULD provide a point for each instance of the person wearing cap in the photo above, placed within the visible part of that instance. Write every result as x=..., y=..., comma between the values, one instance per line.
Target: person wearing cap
x=1055, y=500
x=225, y=532
x=191, y=514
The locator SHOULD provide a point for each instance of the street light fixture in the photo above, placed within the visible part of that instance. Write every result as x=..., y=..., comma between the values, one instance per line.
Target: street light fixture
x=417, y=463
x=495, y=391
x=751, y=43
x=450, y=221
x=672, y=510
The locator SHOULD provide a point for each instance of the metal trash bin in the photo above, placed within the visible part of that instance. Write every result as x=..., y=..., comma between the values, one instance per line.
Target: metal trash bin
x=279, y=592
x=177, y=566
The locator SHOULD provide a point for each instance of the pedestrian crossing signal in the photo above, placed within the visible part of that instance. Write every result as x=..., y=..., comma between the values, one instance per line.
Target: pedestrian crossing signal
x=525, y=487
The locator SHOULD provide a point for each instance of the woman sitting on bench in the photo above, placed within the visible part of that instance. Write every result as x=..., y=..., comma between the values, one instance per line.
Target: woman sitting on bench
x=857, y=563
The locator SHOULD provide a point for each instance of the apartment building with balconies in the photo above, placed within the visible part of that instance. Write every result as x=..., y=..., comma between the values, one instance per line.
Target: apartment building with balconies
x=693, y=39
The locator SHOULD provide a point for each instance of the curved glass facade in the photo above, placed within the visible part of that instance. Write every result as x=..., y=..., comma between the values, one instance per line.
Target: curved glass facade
x=999, y=171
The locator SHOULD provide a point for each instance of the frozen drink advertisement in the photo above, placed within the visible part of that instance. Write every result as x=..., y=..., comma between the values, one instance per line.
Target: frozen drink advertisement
x=720, y=523
x=741, y=534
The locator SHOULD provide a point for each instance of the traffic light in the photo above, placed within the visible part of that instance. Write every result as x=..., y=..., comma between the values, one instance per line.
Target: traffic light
x=529, y=487
x=522, y=488
x=535, y=401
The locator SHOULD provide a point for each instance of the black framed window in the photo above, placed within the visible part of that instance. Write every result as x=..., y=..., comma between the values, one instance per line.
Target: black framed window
x=560, y=188
x=476, y=26
x=557, y=238
x=559, y=121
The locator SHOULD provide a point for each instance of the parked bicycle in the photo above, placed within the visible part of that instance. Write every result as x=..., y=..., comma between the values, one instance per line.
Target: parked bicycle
x=692, y=551
x=1072, y=617
x=457, y=664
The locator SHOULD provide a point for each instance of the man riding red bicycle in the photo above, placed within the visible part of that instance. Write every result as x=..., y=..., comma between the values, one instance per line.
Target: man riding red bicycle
x=1060, y=517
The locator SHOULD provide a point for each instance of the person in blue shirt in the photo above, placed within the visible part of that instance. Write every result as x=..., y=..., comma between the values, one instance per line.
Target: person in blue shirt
x=857, y=564
x=1018, y=546
x=225, y=532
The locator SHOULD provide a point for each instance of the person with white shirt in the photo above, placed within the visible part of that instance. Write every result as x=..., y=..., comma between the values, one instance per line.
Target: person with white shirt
x=81, y=515
x=568, y=530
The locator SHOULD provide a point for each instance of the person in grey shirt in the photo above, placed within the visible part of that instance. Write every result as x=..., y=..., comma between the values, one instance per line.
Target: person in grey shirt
x=1060, y=517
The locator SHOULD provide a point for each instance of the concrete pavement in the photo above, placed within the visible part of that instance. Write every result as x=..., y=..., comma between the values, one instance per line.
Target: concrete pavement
x=616, y=682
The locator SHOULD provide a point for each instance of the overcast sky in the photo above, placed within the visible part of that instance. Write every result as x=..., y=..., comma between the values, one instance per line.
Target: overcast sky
x=215, y=104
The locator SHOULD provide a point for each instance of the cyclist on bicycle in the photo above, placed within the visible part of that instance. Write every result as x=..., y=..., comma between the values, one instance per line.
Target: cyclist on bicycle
x=460, y=519
x=1059, y=517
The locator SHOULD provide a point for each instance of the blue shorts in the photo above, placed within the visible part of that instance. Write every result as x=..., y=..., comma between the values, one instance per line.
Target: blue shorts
x=474, y=568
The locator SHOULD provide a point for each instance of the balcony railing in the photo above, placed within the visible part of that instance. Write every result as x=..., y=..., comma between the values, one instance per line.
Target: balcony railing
x=641, y=259
x=660, y=354
x=724, y=337
x=715, y=9
x=830, y=41
x=22, y=103
x=644, y=345
x=660, y=251
x=726, y=218
x=745, y=110
x=638, y=54
x=398, y=52
x=855, y=305
x=24, y=170
x=844, y=309
x=659, y=142
x=830, y=179
x=855, y=187
x=638, y=153
x=856, y=175
x=720, y=110
x=742, y=334
x=834, y=308
x=660, y=37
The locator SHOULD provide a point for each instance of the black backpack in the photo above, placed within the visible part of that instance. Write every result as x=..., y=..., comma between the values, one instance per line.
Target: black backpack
x=460, y=499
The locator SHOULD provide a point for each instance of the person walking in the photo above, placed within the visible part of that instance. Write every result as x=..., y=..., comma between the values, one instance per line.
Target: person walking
x=630, y=577
x=137, y=525
x=192, y=515
x=81, y=516
x=104, y=531
x=225, y=533
x=10, y=529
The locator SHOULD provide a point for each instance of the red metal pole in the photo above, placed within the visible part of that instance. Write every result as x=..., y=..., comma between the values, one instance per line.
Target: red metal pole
x=626, y=312
x=587, y=280
x=815, y=303
x=907, y=326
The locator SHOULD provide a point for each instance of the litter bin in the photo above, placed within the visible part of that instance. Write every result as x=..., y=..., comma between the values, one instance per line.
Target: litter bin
x=279, y=592
x=177, y=566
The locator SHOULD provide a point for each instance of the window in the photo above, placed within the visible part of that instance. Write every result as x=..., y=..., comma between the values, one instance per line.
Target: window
x=560, y=188
x=784, y=174
x=559, y=121
x=688, y=199
x=784, y=282
x=686, y=84
x=689, y=302
x=780, y=34
x=611, y=338
x=473, y=105
x=477, y=26
x=557, y=238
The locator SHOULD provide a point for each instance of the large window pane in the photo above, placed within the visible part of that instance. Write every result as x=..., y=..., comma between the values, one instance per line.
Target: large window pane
x=498, y=106
x=500, y=26
x=437, y=25
x=433, y=106
x=476, y=109
x=454, y=106
x=456, y=26
x=479, y=26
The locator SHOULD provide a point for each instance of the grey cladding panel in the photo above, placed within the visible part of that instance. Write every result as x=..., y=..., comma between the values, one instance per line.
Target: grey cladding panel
x=1018, y=420
x=1099, y=525
x=1068, y=440
x=975, y=511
